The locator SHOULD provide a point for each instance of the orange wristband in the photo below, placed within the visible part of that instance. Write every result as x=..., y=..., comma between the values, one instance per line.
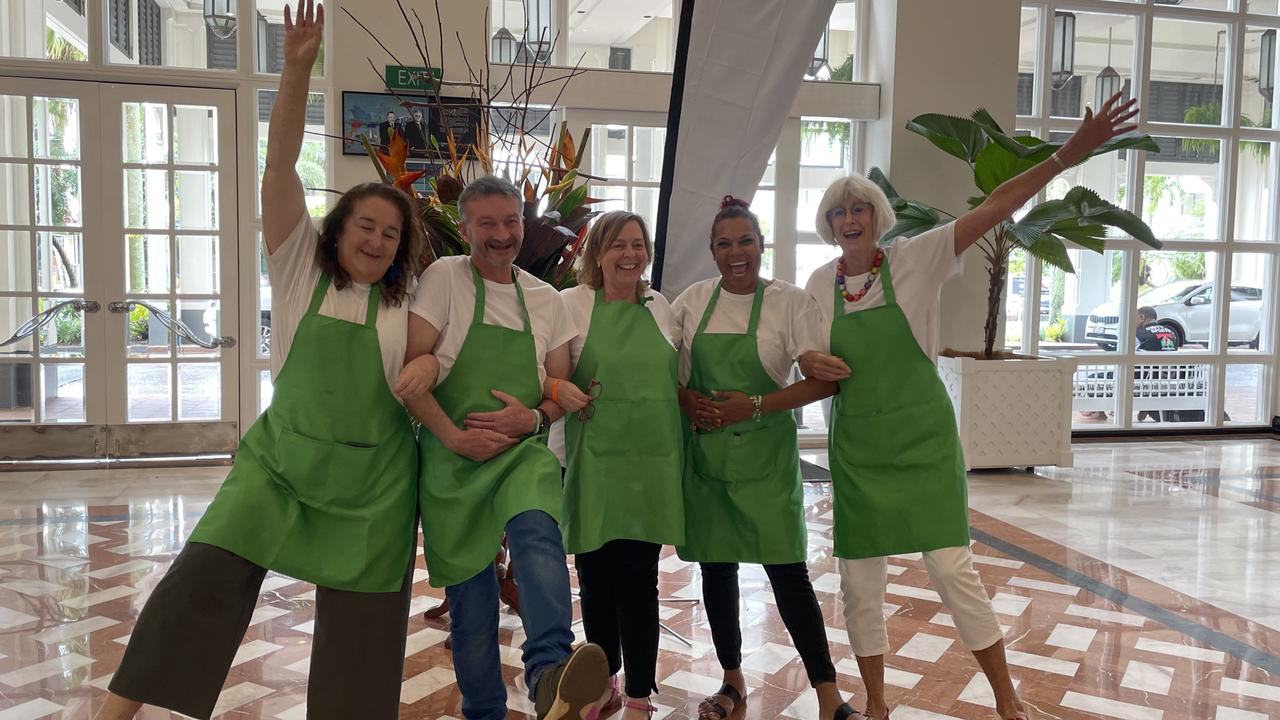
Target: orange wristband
x=555, y=391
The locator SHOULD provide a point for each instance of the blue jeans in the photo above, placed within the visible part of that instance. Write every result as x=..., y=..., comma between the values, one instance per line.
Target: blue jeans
x=537, y=550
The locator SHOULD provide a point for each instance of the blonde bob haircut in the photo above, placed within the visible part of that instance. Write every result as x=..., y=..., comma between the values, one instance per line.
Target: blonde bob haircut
x=854, y=188
x=606, y=229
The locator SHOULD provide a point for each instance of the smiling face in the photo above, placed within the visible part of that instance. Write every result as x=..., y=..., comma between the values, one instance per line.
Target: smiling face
x=369, y=240
x=494, y=228
x=625, y=258
x=391, y=117
x=736, y=249
x=853, y=224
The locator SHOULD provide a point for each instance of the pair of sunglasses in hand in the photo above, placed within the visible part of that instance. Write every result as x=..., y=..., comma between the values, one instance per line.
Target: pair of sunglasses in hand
x=589, y=410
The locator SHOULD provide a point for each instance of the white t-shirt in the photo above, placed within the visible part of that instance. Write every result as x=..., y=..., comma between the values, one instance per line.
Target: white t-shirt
x=580, y=301
x=789, y=323
x=446, y=296
x=294, y=273
x=919, y=266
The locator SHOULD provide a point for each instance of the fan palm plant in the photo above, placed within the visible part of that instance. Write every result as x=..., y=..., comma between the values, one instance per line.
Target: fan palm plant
x=1044, y=231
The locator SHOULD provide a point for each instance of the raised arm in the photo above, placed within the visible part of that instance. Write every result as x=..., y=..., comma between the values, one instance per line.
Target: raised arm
x=1005, y=200
x=283, y=199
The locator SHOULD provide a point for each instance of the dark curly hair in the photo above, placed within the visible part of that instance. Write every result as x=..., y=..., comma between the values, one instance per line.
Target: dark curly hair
x=732, y=207
x=396, y=280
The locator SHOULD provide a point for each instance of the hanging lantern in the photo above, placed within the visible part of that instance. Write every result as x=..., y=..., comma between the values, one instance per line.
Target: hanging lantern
x=1063, y=61
x=220, y=17
x=822, y=53
x=1108, y=82
x=503, y=47
x=1267, y=66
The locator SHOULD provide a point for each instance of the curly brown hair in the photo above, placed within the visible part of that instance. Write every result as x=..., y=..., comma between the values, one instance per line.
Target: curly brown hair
x=732, y=207
x=395, y=282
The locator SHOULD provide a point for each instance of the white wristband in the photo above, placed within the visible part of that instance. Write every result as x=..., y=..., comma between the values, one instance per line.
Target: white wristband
x=1057, y=160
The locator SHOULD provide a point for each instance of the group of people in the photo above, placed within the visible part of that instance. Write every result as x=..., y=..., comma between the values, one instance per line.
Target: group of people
x=674, y=426
x=414, y=130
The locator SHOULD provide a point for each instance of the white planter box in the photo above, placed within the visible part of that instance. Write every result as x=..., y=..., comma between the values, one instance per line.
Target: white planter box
x=1011, y=413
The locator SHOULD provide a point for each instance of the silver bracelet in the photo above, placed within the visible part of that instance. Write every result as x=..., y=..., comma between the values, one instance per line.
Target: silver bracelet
x=759, y=401
x=1057, y=160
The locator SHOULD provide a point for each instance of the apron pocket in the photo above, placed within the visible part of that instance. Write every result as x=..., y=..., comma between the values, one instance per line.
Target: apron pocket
x=324, y=472
x=609, y=432
x=739, y=456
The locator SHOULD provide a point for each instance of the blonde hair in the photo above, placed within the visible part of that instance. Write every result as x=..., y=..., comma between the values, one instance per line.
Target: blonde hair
x=854, y=187
x=604, y=231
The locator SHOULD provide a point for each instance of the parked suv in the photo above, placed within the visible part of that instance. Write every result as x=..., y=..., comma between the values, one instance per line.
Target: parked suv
x=1186, y=307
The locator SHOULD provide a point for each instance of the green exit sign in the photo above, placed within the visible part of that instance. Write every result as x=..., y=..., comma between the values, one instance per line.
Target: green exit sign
x=412, y=78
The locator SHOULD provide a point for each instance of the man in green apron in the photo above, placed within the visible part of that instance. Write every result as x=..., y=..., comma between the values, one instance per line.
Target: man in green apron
x=495, y=332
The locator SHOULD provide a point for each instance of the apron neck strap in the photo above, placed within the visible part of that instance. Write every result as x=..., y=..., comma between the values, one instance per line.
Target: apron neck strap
x=317, y=295
x=371, y=312
x=756, y=304
x=477, y=313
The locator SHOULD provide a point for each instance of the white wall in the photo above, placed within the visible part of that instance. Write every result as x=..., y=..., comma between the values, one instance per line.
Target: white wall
x=941, y=57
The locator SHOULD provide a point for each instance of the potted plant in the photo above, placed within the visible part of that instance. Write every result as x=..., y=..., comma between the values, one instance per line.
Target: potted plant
x=1013, y=410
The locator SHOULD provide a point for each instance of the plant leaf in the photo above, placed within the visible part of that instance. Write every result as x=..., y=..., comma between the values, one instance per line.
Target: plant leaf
x=957, y=136
x=405, y=181
x=1088, y=205
x=913, y=219
x=1088, y=235
x=877, y=176
x=985, y=121
x=1052, y=251
x=995, y=165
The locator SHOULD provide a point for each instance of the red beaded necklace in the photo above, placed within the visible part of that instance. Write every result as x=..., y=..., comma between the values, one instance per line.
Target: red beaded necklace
x=871, y=278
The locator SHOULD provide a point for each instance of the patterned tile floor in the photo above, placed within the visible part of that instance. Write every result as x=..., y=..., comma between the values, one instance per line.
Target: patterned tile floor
x=1143, y=583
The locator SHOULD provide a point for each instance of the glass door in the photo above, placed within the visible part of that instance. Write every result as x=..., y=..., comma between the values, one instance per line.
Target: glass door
x=117, y=257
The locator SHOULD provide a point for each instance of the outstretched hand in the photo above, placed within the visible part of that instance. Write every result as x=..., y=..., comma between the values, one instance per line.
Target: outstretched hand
x=1097, y=128
x=302, y=37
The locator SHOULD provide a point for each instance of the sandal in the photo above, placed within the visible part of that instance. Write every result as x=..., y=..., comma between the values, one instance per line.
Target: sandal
x=846, y=712
x=610, y=706
x=711, y=708
x=641, y=704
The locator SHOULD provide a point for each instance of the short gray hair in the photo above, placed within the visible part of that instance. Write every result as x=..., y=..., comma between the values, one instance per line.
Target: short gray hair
x=487, y=186
x=854, y=187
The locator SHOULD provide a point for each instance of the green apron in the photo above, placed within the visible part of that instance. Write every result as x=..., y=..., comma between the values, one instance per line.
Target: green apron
x=742, y=494
x=466, y=504
x=624, y=464
x=323, y=483
x=896, y=464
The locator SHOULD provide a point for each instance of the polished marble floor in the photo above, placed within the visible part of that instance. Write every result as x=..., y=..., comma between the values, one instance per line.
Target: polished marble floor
x=1143, y=583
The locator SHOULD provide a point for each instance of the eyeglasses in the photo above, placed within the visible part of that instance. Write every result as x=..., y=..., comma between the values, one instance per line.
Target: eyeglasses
x=858, y=210
x=594, y=388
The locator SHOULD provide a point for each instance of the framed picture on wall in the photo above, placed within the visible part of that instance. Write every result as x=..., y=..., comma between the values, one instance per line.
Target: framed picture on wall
x=375, y=115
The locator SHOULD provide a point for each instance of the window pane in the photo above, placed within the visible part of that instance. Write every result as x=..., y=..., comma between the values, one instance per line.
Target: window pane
x=147, y=263
x=1258, y=85
x=269, y=36
x=312, y=160
x=833, y=57
x=609, y=151
x=60, y=262
x=1179, y=287
x=637, y=35
x=197, y=264
x=14, y=311
x=1206, y=4
x=763, y=204
x=55, y=128
x=650, y=144
x=63, y=396
x=146, y=336
x=15, y=194
x=199, y=391
x=264, y=303
x=824, y=143
x=1255, y=187
x=1181, y=50
x=1180, y=191
x=1015, y=301
x=1253, y=293
x=15, y=261
x=264, y=390
x=195, y=135
x=1171, y=394
x=1028, y=75
x=202, y=318
x=146, y=137
x=17, y=390
x=1093, y=401
x=149, y=392
x=1080, y=313
x=195, y=200
x=162, y=34
x=1091, y=54
x=810, y=257
x=1246, y=394
x=64, y=336
x=57, y=195
x=146, y=199
x=13, y=126
x=55, y=31
x=1104, y=174
x=1262, y=7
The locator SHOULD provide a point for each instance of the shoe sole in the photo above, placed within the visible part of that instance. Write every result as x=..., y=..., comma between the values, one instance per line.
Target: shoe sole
x=585, y=677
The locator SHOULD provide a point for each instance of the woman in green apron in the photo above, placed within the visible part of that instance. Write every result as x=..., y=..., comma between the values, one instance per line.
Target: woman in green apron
x=743, y=499
x=897, y=468
x=623, y=448
x=323, y=488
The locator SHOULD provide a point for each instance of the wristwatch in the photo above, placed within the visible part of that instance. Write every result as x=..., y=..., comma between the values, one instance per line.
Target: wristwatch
x=544, y=421
x=758, y=401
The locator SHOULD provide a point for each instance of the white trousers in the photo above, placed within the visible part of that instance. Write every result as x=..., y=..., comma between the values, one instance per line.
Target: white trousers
x=862, y=582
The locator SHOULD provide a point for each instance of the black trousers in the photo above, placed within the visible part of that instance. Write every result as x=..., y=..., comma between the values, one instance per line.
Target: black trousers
x=618, y=585
x=189, y=630
x=797, y=605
